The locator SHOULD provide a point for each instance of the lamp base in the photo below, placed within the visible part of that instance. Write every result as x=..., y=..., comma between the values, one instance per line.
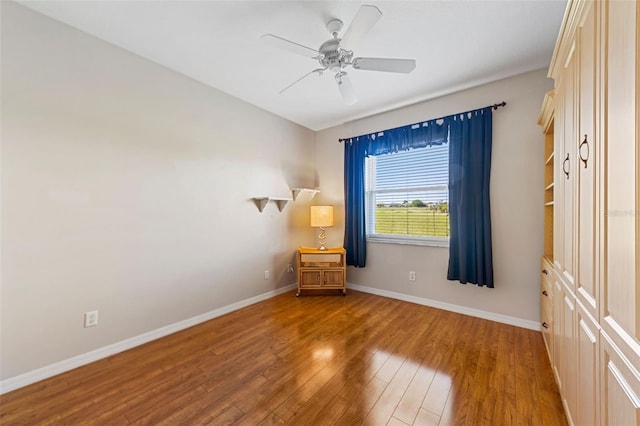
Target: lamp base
x=322, y=238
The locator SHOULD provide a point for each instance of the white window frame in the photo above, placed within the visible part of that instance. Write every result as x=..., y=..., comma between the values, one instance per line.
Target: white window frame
x=370, y=211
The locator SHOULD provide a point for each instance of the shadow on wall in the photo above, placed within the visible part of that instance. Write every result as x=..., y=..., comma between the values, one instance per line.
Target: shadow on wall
x=283, y=266
x=297, y=176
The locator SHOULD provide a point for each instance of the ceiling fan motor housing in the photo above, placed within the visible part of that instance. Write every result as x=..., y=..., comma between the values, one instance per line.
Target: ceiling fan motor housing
x=333, y=57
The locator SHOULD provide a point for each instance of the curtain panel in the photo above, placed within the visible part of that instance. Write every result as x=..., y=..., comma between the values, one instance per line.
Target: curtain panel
x=355, y=233
x=470, y=244
x=469, y=135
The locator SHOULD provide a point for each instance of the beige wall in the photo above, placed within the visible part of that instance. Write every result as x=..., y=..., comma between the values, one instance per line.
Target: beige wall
x=516, y=194
x=126, y=188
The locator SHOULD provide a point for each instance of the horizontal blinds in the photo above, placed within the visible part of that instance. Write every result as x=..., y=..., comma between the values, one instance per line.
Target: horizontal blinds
x=407, y=193
x=414, y=168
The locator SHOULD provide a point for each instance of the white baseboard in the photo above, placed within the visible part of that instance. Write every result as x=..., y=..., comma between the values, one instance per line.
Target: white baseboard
x=51, y=370
x=505, y=319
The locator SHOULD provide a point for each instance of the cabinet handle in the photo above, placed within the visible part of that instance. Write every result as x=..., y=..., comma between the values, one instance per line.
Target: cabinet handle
x=545, y=293
x=584, y=143
x=545, y=325
x=544, y=271
x=566, y=169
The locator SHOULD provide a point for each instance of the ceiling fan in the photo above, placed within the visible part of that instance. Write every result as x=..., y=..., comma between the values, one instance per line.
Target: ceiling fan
x=336, y=54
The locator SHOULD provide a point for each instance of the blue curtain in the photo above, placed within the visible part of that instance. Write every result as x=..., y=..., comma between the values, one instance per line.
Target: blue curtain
x=420, y=135
x=470, y=253
x=355, y=226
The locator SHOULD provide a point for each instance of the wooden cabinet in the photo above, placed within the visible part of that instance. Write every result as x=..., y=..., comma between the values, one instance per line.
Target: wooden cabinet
x=588, y=344
x=321, y=269
x=594, y=343
x=565, y=354
x=565, y=145
x=620, y=215
x=587, y=144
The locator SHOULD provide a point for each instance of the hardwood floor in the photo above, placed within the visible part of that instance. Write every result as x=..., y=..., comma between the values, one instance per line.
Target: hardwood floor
x=321, y=360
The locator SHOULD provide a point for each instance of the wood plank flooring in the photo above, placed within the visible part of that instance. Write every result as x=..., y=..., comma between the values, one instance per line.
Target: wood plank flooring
x=313, y=360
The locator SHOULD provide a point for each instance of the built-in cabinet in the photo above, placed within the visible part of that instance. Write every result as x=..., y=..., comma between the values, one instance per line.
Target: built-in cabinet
x=590, y=303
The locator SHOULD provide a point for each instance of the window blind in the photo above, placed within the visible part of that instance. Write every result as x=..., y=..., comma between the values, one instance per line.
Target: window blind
x=407, y=195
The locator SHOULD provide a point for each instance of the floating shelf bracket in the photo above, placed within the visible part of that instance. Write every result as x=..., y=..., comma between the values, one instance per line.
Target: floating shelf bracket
x=297, y=191
x=261, y=202
x=280, y=202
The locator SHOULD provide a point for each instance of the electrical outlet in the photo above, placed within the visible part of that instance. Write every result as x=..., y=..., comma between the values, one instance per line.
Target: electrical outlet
x=290, y=268
x=412, y=275
x=90, y=319
x=266, y=274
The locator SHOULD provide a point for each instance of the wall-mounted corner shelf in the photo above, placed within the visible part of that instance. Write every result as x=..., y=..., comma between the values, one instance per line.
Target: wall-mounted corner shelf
x=261, y=202
x=297, y=191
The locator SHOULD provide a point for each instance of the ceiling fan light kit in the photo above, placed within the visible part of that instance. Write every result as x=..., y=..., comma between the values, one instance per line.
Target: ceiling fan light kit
x=336, y=54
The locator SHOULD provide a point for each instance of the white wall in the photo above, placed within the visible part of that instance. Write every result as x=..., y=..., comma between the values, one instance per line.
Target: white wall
x=126, y=188
x=516, y=196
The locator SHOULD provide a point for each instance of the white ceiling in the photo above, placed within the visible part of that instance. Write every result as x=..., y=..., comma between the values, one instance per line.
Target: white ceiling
x=456, y=44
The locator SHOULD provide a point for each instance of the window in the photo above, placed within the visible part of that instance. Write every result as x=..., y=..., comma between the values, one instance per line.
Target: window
x=407, y=197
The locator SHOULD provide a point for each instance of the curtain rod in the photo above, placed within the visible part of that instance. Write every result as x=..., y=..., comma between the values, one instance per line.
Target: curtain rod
x=494, y=106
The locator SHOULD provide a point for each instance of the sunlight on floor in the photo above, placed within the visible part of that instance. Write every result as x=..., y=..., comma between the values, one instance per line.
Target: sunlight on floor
x=408, y=392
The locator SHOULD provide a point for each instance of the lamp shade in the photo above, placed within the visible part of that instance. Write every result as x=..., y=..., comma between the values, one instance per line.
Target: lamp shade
x=321, y=216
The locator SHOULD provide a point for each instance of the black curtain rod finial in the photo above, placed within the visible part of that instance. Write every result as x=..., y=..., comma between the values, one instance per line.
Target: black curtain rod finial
x=501, y=104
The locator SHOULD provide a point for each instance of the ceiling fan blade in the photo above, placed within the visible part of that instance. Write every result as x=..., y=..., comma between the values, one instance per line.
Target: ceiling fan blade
x=319, y=71
x=288, y=45
x=366, y=18
x=346, y=88
x=384, y=64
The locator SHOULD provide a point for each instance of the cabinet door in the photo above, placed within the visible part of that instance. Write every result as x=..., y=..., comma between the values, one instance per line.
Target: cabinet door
x=310, y=278
x=588, y=334
x=564, y=179
x=569, y=370
x=558, y=178
x=620, y=316
x=558, y=338
x=546, y=315
x=569, y=168
x=333, y=278
x=620, y=387
x=565, y=347
x=587, y=145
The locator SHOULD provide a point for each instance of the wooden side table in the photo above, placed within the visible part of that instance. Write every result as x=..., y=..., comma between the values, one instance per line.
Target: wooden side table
x=322, y=269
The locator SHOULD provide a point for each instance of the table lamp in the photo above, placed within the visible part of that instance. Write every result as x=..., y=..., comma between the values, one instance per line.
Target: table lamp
x=321, y=217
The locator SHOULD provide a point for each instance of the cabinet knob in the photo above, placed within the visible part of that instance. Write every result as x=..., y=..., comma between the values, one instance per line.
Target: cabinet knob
x=545, y=325
x=565, y=166
x=545, y=293
x=544, y=271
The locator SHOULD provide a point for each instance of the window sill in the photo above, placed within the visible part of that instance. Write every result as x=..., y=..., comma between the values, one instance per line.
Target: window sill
x=412, y=241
